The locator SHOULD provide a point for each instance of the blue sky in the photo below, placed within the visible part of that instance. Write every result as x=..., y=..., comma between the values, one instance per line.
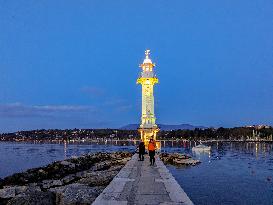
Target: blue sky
x=67, y=64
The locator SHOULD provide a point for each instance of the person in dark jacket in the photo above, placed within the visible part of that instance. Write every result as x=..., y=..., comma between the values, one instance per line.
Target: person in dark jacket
x=141, y=150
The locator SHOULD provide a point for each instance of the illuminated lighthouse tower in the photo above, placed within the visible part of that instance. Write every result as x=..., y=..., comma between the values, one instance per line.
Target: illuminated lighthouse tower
x=147, y=79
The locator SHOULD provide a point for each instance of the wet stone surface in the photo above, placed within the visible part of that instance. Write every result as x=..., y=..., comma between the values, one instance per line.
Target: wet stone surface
x=178, y=159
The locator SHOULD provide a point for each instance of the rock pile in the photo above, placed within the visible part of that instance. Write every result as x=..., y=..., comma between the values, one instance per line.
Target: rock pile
x=78, y=180
x=178, y=159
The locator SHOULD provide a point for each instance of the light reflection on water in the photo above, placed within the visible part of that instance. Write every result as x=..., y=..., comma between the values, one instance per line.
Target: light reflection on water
x=17, y=157
x=232, y=173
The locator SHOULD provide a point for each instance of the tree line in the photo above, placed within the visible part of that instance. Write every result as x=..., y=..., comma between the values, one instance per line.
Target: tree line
x=236, y=133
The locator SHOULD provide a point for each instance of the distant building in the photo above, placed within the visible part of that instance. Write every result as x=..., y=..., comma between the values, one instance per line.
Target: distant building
x=258, y=126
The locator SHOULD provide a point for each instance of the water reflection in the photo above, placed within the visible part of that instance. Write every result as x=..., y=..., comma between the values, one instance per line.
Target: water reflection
x=219, y=149
x=17, y=157
x=228, y=173
x=65, y=150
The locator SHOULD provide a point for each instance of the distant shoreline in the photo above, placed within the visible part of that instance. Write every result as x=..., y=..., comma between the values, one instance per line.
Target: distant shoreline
x=244, y=134
x=102, y=141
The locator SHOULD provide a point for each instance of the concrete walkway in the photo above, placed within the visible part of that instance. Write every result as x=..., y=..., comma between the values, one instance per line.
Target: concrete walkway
x=139, y=183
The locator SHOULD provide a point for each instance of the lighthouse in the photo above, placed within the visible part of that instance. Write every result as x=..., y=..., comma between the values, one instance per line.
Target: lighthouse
x=148, y=128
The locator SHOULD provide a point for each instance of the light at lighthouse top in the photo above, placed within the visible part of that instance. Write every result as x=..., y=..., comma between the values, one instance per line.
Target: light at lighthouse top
x=147, y=60
x=147, y=66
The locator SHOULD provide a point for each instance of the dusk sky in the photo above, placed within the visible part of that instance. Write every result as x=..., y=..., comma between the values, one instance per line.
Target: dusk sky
x=74, y=64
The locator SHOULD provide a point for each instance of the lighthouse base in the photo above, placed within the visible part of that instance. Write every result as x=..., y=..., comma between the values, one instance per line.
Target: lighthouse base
x=149, y=133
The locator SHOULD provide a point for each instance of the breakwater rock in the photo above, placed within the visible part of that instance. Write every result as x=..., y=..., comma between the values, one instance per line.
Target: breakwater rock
x=78, y=180
x=178, y=159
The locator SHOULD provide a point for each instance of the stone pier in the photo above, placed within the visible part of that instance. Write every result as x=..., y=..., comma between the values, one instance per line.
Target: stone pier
x=139, y=183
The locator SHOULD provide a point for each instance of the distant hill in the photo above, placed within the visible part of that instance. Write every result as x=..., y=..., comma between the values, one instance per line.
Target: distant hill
x=165, y=127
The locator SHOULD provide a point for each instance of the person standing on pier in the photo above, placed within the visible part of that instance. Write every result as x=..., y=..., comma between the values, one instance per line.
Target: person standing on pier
x=151, y=149
x=141, y=150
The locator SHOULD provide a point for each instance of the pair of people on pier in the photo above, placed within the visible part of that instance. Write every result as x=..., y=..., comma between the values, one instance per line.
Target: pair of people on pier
x=151, y=149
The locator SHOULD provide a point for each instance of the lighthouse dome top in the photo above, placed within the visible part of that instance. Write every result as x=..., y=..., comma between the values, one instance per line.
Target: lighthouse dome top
x=147, y=60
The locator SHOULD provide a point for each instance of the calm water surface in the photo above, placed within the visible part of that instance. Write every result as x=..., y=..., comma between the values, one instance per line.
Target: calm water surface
x=17, y=157
x=232, y=173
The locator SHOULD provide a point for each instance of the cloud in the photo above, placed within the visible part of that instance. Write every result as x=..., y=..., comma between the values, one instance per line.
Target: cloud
x=114, y=102
x=118, y=104
x=21, y=110
x=124, y=108
x=61, y=108
x=93, y=91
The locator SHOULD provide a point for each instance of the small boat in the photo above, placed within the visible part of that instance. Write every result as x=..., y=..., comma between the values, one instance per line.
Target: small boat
x=201, y=147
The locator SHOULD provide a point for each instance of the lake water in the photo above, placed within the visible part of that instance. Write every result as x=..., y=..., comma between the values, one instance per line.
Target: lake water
x=17, y=157
x=232, y=173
